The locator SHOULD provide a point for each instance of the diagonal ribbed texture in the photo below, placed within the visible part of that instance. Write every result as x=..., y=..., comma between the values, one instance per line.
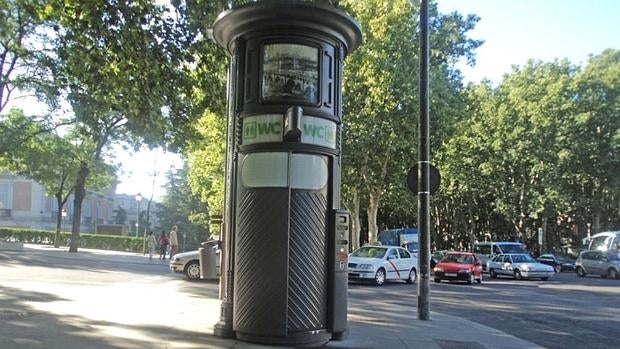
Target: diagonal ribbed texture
x=307, y=296
x=261, y=262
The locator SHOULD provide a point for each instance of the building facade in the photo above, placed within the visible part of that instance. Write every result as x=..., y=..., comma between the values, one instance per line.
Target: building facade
x=24, y=204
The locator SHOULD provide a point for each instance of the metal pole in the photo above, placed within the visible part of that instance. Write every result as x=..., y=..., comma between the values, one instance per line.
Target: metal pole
x=423, y=175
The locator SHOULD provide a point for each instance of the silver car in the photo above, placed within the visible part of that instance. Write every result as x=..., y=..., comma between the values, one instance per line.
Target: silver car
x=605, y=264
x=519, y=266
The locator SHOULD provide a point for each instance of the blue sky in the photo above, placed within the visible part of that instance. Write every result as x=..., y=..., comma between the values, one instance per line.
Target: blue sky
x=513, y=32
x=517, y=30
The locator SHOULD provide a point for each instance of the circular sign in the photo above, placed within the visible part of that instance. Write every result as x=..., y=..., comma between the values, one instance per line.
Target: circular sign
x=412, y=179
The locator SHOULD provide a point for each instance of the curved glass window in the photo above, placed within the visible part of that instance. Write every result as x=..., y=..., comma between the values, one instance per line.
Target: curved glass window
x=299, y=171
x=265, y=170
x=308, y=171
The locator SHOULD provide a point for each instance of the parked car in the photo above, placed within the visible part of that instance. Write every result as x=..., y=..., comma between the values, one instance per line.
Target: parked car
x=461, y=266
x=487, y=249
x=188, y=263
x=519, y=266
x=382, y=263
x=605, y=264
x=559, y=263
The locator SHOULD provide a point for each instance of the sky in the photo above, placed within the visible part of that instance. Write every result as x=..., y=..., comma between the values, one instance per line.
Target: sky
x=513, y=32
x=517, y=30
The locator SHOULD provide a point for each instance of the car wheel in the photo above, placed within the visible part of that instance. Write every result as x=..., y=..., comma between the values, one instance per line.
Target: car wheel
x=558, y=268
x=471, y=279
x=412, y=276
x=192, y=270
x=581, y=272
x=544, y=279
x=518, y=275
x=613, y=273
x=493, y=274
x=380, y=277
x=437, y=280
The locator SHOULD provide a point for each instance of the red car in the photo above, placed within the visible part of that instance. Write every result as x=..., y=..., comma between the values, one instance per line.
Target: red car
x=459, y=266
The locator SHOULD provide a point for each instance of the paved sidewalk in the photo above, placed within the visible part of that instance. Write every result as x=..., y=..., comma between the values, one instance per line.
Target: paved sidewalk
x=97, y=314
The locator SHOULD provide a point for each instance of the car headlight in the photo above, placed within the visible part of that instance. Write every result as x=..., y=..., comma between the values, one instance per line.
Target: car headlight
x=525, y=268
x=365, y=266
x=438, y=269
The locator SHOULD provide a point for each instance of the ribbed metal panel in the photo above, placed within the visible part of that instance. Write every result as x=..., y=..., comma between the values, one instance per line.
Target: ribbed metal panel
x=307, y=296
x=261, y=262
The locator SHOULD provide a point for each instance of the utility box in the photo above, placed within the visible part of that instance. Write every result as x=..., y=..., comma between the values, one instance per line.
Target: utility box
x=286, y=245
x=209, y=256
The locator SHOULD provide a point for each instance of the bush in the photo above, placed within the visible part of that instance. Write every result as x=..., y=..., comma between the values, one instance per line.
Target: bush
x=97, y=241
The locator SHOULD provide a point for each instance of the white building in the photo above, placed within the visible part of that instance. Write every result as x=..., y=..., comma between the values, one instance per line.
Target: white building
x=24, y=204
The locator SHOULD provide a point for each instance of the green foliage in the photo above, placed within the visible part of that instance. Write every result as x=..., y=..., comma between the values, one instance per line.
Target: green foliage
x=96, y=241
x=120, y=215
x=185, y=210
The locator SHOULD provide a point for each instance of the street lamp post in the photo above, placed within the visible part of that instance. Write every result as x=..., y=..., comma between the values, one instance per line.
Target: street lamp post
x=138, y=199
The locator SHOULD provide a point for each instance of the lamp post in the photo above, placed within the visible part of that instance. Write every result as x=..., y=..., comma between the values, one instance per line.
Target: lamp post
x=138, y=199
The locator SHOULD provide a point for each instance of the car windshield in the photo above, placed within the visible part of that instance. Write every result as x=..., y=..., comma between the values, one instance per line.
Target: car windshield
x=457, y=258
x=522, y=258
x=513, y=248
x=370, y=252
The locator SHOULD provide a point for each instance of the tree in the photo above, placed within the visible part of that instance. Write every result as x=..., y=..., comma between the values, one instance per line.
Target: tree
x=23, y=36
x=380, y=98
x=120, y=215
x=182, y=208
x=47, y=158
x=119, y=66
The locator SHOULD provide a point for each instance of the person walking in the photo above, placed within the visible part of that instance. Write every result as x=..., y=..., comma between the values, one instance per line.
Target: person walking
x=163, y=245
x=150, y=240
x=174, y=241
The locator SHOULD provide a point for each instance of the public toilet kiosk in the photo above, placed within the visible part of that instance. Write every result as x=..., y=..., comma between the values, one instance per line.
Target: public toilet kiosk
x=284, y=271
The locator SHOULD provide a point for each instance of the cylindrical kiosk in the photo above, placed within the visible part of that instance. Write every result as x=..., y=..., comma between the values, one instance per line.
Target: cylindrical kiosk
x=285, y=274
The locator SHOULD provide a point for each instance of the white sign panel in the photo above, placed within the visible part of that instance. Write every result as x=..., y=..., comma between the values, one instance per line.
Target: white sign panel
x=318, y=131
x=262, y=129
x=269, y=128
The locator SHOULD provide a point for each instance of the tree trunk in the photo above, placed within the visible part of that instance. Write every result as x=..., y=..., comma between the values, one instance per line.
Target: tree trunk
x=354, y=242
x=80, y=193
x=373, y=208
x=58, y=220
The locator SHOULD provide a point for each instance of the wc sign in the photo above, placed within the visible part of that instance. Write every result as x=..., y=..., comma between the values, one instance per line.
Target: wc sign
x=268, y=129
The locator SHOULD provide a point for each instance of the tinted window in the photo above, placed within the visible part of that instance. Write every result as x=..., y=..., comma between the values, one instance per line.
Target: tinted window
x=404, y=253
x=599, y=243
x=393, y=254
x=522, y=258
x=506, y=259
x=370, y=252
x=482, y=249
x=457, y=258
x=513, y=248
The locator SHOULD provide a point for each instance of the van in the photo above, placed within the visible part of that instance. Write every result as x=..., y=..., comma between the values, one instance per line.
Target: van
x=406, y=238
x=606, y=241
x=486, y=250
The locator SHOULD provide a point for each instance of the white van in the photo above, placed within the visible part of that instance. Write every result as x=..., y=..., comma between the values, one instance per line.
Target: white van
x=606, y=241
x=486, y=250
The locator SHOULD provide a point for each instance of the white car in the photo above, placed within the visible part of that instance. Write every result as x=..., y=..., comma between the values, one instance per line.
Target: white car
x=519, y=266
x=189, y=262
x=381, y=263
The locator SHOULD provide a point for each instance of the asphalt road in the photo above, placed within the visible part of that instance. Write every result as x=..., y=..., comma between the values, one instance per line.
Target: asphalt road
x=564, y=312
x=91, y=291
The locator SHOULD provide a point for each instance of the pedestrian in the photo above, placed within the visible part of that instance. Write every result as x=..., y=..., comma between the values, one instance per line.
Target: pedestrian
x=152, y=244
x=174, y=241
x=163, y=245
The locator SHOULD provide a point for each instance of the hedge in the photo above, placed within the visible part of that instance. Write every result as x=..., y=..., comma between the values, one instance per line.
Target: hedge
x=96, y=241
